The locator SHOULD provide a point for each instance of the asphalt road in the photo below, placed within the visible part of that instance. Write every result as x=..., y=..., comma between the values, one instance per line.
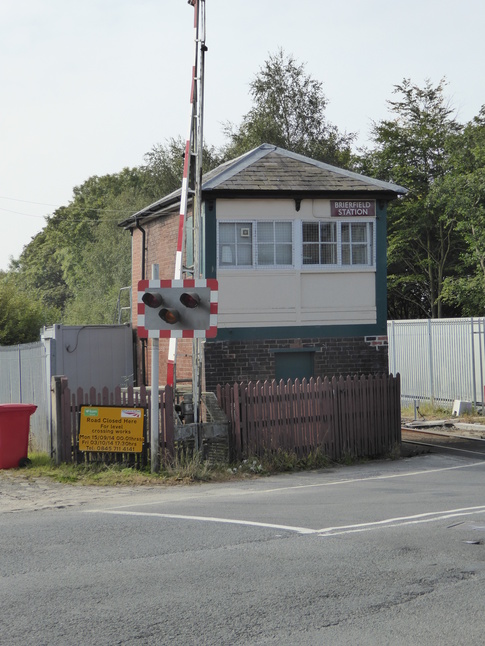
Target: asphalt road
x=379, y=553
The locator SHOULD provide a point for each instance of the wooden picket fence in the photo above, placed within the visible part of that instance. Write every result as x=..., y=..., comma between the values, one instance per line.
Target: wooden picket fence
x=356, y=416
x=66, y=416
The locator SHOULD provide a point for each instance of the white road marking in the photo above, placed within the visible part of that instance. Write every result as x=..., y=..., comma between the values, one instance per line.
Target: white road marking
x=391, y=476
x=205, y=519
x=325, y=531
x=338, y=530
x=429, y=517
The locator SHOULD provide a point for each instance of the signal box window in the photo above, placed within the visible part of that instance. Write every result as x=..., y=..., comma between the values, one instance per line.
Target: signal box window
x=235, y=244
x=274, y=243
x=338, y=243
x=320, y=243
x=255, y=244
x=357, y=243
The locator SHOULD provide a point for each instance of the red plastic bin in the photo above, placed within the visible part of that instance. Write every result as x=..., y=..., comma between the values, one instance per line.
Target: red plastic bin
x=14, y=433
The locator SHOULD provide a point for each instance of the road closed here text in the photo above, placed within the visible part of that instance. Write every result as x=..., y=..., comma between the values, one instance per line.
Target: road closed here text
x=111, y=429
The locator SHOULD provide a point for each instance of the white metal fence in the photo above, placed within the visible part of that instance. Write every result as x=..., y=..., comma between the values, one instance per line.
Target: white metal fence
x=438, y=360
x=23, y=379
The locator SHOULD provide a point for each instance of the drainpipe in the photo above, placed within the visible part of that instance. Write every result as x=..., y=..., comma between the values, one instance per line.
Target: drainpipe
x=144, y=344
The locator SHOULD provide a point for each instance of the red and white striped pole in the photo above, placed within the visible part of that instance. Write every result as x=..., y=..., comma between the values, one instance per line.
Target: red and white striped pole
x=172, y=349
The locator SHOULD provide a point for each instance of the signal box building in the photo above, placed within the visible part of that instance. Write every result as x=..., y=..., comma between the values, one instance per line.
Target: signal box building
x=299, y=251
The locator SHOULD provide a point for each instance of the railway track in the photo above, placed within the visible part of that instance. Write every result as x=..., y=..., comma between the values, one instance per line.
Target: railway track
x=444, y=441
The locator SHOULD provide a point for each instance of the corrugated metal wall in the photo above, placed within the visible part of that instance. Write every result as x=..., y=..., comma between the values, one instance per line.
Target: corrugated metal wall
x=23, y=380
x=89, y=356
x=438, y=360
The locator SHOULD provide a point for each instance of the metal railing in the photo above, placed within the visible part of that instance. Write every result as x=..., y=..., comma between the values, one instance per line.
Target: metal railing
x=439, y=360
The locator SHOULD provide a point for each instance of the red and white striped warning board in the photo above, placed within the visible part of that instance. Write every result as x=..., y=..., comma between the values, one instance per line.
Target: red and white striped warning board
x=163, y=311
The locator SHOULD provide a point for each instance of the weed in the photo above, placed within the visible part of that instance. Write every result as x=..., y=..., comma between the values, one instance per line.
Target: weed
x=396, y=452
x=185, y=468
x=427, y=410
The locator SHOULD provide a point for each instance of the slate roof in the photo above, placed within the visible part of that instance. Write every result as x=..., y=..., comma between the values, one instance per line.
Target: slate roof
x=270, y=171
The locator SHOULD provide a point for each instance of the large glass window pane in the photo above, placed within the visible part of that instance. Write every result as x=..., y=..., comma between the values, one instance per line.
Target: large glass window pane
x=310, y=232
x=283, y=231
x=359, y=232
x=328, y=248
x=227, y=244
x=227, y=232
x=371, y=242
x=359, y=254
x=345, y=232
x=266, y=254
x=227, y=254
x=328, y=254
x=265, y=232
x=284, y=253
x=244, y=255
x=345, y=254
x=328, y=232
x=311, y=255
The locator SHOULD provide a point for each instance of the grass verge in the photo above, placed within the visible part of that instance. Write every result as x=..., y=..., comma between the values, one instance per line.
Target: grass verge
x=183, y=470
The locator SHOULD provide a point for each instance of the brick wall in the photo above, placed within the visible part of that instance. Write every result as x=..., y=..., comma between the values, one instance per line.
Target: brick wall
x=232, y=361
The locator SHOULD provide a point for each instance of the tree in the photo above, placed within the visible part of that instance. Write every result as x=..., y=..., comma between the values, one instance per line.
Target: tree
x=106, y=266
x=38, y=272
x=21, y=318
x=462, y=193
x=288, y=111
x=63, y=261
x=165, y=165
x=423, y=243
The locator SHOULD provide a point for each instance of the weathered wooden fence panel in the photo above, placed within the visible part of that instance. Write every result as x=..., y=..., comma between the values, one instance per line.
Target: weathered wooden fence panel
x=355, y=416
x=67, y=423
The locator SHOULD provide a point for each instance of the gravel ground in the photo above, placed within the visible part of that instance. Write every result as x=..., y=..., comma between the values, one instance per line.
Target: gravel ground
x=21, y=493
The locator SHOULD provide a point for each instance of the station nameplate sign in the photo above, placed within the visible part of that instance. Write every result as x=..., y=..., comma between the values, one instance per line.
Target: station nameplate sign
x=111, y=429
x=353, y=208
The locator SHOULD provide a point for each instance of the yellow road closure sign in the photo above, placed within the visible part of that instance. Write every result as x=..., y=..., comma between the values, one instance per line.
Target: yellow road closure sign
x=111, y=429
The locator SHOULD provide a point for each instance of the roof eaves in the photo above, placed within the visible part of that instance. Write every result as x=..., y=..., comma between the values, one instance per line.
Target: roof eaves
x=161, y=207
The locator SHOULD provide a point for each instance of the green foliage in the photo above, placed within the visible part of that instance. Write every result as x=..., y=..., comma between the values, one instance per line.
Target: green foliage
x=423, y=243
x=288, y=111
x=76, y=266
x=165, y=165
x=38, y=272
x=21, y=317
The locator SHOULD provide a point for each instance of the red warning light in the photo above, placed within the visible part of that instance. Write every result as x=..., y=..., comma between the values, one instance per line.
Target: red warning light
x=190, y=300
x=152, y=300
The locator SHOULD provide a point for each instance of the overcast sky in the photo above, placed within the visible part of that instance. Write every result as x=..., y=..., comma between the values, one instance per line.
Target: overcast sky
x=89, y=86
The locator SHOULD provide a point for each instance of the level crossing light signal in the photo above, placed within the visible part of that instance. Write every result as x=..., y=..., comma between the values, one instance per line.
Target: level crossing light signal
x=177, y=308
x=151, y=299
x=191, y=300
x=169, y=316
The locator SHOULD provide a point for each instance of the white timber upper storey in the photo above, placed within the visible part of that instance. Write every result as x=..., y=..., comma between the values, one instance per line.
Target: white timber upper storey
x=279, y=266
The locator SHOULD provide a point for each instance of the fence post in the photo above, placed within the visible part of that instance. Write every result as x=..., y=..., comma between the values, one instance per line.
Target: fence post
x=430, y=354
x=474, y=374
x=57, y=421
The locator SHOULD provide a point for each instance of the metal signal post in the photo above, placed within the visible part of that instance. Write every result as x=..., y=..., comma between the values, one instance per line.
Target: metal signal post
x=193, y=156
